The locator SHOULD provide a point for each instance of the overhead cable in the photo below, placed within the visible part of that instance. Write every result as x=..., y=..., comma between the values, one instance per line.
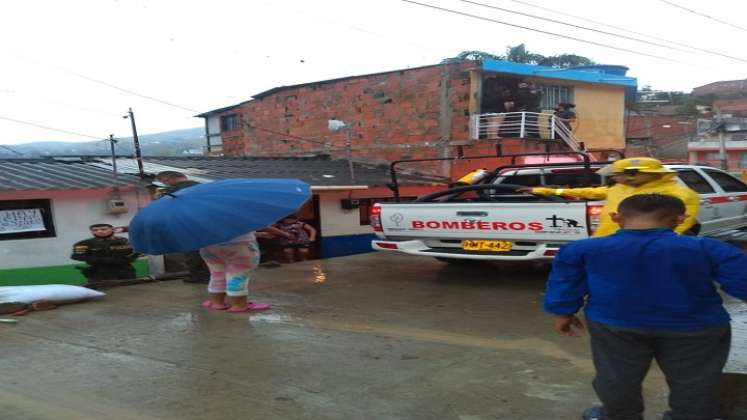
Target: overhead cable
x=702, y=50
x=723, y=22
x=586, y=41
x=48, y=127
x=12, y=150
x=596, y=22
x=560, y=22
x=107, y=84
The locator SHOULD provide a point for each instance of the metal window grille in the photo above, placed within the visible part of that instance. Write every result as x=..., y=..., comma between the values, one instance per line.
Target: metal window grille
x=553, y=95
x=229, y=122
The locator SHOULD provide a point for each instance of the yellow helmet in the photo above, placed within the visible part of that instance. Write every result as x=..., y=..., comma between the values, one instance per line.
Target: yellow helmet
x=641, y=164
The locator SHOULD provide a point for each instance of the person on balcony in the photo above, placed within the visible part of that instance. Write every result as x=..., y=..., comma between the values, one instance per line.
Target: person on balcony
x=510, y=124
x=529, y=99
x=497, y=100
x=565, y=115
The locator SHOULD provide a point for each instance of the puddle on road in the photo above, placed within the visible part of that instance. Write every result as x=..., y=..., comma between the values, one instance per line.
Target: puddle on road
x=181, y=322
x=271, y=317
x=319, y=275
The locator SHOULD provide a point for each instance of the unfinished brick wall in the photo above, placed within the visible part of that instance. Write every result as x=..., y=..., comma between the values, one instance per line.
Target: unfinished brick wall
x=410, y=113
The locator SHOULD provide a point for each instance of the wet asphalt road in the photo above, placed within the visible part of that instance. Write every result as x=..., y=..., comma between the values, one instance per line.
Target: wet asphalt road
x=375, y=336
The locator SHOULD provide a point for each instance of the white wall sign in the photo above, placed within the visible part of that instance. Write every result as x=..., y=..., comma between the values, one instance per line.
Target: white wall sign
x=21, y=220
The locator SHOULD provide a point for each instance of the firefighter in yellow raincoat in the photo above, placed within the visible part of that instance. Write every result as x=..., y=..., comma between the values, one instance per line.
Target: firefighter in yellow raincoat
x=641, y=175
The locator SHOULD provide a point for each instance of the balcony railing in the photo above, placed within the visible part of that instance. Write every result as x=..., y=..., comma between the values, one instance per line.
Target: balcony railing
x=522, y=125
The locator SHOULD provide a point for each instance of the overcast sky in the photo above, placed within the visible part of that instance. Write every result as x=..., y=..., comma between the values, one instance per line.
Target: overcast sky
x=199, y=55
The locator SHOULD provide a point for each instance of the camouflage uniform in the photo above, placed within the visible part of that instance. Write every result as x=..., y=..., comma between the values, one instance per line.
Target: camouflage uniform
x=108, y=258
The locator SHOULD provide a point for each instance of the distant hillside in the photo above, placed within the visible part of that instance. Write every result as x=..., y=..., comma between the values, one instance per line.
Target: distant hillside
x=169, y=143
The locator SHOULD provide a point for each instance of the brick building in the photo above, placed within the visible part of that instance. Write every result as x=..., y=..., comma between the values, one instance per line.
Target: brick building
x=737, y=107
x=422, y=112
x=722, y=88
x=727, y=122
x=663, y=137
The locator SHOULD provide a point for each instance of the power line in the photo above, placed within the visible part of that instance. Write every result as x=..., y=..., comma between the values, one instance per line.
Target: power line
x=560, y=22
x=326, y=145
x=48, y=128
x=599, y=44
x=12, y=150
x=703, y=50
x=107, y=84
x=131, y=92
x=723, y=22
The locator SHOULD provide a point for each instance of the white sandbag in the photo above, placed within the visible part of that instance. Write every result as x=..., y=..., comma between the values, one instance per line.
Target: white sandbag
x=56, y=293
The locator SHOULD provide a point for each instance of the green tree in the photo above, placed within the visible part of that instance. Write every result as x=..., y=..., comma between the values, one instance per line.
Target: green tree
x=520, y=54
x=565, y=61
x=476, y=55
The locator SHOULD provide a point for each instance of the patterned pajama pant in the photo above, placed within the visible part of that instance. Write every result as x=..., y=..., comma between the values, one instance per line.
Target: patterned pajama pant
x=231, y=266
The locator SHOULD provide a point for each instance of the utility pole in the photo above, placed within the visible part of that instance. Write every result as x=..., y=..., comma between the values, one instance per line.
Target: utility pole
x=115, y=174
x=138, y=154
x=722, y=156
x=349, y=147
x=338, y=125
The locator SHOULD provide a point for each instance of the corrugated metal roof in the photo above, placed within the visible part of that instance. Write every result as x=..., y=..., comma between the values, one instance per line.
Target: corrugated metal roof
x=129, y=166
x=315, y=170
x=50, y=174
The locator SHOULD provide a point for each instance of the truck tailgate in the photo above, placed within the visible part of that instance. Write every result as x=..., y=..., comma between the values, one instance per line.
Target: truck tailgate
x=543, y=221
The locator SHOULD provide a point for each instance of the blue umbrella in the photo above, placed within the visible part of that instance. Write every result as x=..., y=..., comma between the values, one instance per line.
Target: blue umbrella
x=213, y=213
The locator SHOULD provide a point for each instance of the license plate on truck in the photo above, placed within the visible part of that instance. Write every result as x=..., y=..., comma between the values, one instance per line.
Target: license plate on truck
x=490, y=246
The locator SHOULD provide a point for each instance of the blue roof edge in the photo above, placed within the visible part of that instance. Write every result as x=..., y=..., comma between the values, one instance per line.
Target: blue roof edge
x=586, y=76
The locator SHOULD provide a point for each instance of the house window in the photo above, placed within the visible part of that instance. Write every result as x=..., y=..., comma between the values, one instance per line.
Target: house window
x=553, y=95
x=229, y=122
x=26, y=219
x=365, y=204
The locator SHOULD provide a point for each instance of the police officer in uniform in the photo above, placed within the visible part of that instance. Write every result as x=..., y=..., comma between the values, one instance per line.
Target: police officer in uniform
x=109, y=257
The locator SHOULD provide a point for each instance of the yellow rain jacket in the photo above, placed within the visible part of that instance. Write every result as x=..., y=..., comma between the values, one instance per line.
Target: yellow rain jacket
x=617, y=193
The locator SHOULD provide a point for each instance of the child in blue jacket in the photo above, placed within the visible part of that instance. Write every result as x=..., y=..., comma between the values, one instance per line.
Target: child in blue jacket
x=647, y=294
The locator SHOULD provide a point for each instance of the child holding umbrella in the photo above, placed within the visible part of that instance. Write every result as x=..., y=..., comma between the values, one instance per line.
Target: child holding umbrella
x=219, y=218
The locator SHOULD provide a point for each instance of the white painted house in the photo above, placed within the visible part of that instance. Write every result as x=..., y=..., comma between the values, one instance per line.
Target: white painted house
x=62, y=196
x=339, y=208
x=47, y=205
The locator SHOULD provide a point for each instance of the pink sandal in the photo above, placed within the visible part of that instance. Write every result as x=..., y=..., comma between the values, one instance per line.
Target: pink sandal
x=250, y=307
x=214, y=306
